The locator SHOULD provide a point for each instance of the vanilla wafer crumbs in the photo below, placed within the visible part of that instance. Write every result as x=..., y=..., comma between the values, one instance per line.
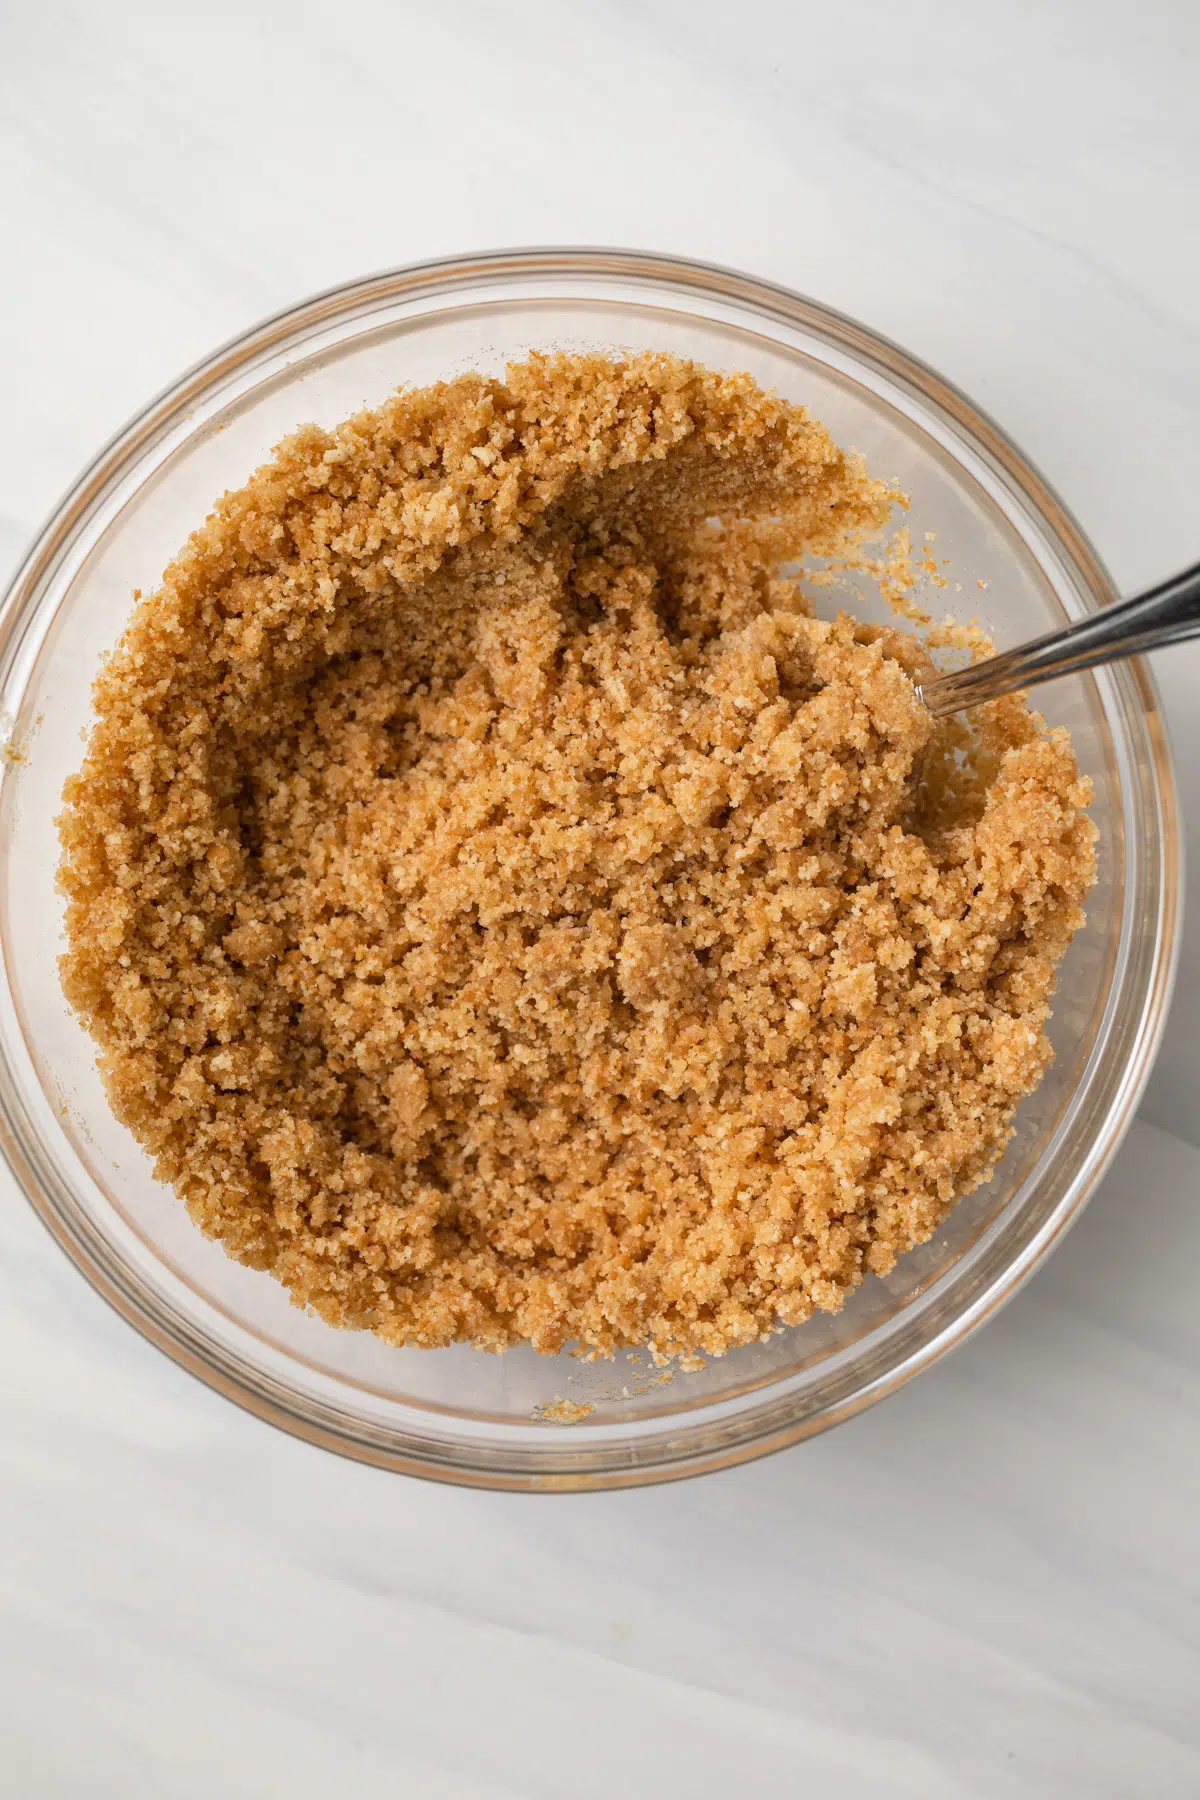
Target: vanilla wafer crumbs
x=505, y=913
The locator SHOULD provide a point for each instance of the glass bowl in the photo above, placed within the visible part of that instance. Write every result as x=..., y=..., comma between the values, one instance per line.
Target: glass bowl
x=458, y=1414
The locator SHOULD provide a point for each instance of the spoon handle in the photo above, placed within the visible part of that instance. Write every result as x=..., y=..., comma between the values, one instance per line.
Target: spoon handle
x=1168, y=614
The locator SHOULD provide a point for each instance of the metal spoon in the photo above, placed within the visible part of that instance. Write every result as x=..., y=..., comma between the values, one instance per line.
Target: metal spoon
x=1169, y=614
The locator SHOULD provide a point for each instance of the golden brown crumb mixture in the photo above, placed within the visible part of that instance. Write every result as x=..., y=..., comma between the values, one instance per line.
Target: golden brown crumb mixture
x=504, y=910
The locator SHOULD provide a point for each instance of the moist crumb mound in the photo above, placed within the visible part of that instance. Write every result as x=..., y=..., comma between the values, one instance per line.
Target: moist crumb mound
x=507, y=914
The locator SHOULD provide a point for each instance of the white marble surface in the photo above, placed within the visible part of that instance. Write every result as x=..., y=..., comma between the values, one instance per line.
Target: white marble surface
x=986, y=1587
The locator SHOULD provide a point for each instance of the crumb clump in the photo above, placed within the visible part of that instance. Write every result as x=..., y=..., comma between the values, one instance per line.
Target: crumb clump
x=563, y=1412
x=507, y=914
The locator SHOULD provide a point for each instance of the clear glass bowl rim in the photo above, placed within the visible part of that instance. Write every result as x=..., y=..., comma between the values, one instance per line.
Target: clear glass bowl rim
x=768, y=1423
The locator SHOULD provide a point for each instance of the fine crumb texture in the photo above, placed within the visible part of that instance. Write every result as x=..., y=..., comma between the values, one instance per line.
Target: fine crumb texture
x=506, y=914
